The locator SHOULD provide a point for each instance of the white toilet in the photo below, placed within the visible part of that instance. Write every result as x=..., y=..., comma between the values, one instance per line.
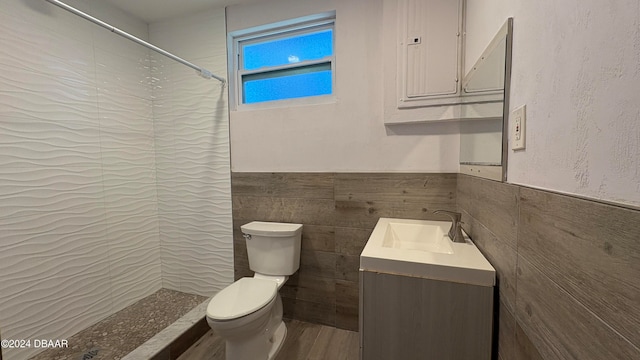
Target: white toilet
x=248, y=313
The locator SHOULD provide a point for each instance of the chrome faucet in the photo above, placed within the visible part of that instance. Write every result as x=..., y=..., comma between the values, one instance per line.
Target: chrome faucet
x=455, y=232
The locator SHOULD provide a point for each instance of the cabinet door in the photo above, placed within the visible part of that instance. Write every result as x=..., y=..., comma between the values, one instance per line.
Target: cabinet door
x=430, y=48
x=407, y=318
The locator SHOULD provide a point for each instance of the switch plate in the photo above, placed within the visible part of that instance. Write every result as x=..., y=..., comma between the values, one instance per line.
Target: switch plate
x=518, y=127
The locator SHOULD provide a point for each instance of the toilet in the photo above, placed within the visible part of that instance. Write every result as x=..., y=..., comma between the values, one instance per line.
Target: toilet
x=248, y=313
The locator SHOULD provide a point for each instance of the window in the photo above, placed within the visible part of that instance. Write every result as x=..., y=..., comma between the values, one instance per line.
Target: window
x=291, y=62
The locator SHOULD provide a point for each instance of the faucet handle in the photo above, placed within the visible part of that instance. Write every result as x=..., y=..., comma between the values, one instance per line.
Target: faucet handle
x=454, y=215
x=455, y=232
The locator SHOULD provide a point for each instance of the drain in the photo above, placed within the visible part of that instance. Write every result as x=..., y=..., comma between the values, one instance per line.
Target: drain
x=91, y=354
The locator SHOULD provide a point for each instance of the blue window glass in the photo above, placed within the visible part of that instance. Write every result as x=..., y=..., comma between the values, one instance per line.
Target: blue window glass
x=287, y=84
x=288, y=50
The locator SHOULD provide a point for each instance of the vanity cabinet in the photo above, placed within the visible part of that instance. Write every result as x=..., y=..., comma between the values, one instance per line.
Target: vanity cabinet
x=411, y=318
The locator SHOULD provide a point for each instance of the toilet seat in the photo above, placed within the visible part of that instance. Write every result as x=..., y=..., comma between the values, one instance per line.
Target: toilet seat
x=241, y=298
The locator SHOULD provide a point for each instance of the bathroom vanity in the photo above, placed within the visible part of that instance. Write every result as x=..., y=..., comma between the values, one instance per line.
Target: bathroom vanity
x=423, y=296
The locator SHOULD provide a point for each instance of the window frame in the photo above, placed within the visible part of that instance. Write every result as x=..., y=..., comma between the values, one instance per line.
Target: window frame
x=301, y=26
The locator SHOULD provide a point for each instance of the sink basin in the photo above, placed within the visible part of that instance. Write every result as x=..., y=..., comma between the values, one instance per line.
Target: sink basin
x=423, y=237
x=422, y=248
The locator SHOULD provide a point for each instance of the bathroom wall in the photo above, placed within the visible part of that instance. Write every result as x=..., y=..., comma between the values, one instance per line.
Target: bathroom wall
x=575, y=66
x=567, y=266
x=347, y=135
x=338, y=211
x=574, y=260
x=191, y=126
x=568, y=270
x=77, y=171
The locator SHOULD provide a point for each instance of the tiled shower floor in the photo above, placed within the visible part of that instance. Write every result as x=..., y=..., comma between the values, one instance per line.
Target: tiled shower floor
x=122, y=332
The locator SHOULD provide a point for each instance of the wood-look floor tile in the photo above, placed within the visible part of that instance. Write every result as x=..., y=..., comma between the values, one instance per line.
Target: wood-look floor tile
x=209, y=347
x=300, y=338
x=304, y=341
x=335, y=344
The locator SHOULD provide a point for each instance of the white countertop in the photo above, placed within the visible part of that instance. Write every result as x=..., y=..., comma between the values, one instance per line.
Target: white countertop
x=465, y=265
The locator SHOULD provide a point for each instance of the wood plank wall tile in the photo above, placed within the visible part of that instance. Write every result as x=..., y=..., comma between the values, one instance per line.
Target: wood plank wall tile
x=506, y=328
x=303, y=286
x=499, y=253
x=361, y=199
x=525, y=350
x=365, y=214
x=347, y=293
x=318, y=238
x=350, y=241
x=416, y=188
x=347, y=267
x=492, y=203
x=338, y=212
x=284, y=185
x=577, y=281
x=309, y=311
x=291, y=210
x=559, y=326
x=318, y=263
x=591, y=250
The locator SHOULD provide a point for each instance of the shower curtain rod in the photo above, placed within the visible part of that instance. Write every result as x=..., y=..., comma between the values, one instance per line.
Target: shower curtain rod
x=201, y=71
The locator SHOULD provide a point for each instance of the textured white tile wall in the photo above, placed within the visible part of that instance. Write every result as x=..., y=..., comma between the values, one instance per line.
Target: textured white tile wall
x=192, y=155
x=113, y=183
x=79, y=235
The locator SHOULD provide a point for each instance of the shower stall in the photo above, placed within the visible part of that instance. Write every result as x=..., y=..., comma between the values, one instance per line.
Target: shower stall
x=114, y=171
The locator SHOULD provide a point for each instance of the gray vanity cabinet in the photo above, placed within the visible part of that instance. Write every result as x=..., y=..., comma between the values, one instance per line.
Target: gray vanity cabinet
x=411, y=318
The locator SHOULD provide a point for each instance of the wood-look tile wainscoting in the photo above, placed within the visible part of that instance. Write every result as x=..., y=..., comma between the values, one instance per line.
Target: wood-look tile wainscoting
x=568, y=270
x=338, y=211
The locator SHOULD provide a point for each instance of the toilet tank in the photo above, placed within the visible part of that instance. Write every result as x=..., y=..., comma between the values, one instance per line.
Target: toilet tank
x=273, y=248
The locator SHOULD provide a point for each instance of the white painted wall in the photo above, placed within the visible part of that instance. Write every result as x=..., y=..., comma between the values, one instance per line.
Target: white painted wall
x=349, y=134
x=191, y=126
x=575, y=66
x=78, y=221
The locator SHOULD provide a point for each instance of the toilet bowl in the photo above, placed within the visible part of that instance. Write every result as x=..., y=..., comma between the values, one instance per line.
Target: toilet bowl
x=248, y=313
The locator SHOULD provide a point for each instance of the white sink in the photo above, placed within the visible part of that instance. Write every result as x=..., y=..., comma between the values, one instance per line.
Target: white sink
x=422, y=248
x=423, y=237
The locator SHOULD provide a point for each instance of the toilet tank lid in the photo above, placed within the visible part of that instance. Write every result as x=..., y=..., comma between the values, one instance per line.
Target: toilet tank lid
x=271, y=228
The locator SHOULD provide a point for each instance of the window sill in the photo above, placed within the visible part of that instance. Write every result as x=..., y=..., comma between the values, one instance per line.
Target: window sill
x=279, y=104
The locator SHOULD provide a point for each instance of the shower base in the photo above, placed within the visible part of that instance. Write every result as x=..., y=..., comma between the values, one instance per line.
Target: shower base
x=117, y=335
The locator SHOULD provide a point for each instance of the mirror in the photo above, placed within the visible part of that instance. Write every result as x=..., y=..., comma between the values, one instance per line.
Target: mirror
x=483, y=141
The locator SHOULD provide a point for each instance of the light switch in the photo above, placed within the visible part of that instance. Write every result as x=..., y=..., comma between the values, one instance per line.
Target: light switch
x=519, y=117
